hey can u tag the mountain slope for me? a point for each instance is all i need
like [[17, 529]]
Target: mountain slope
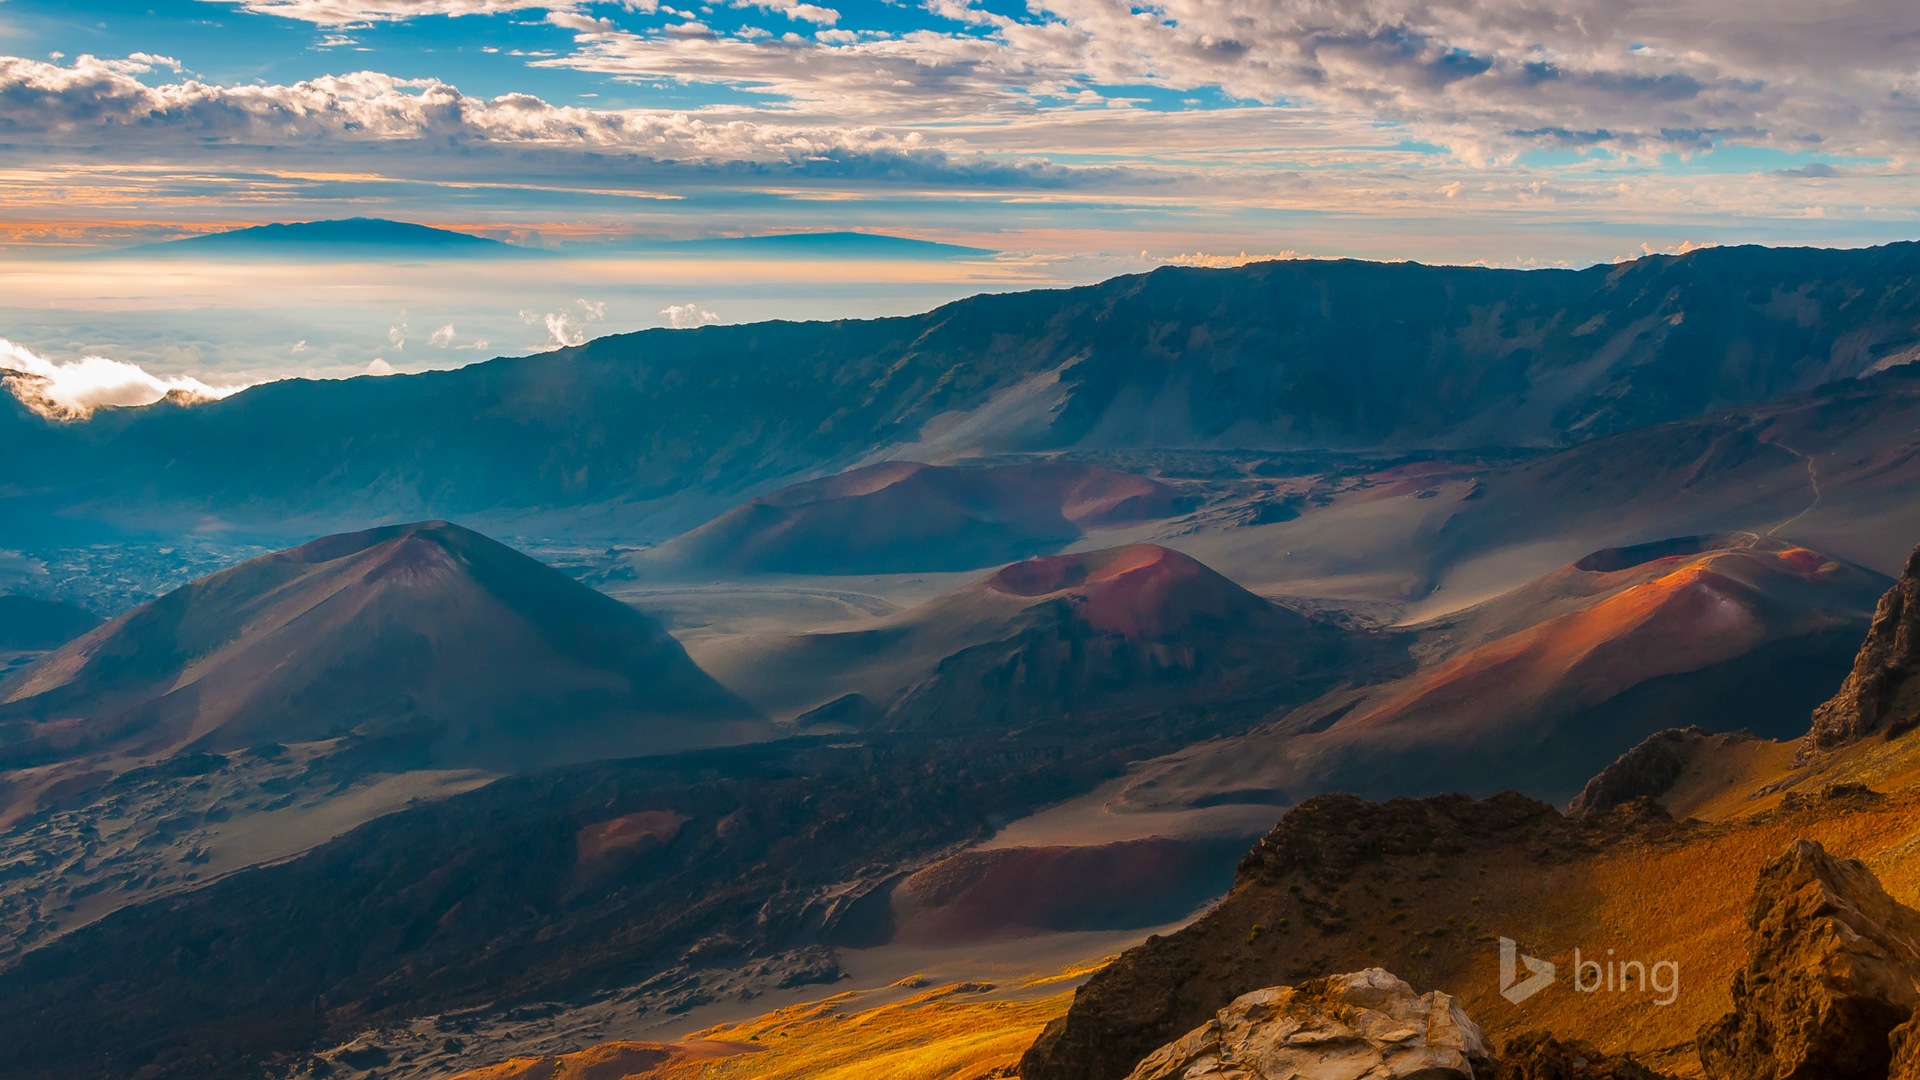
[[1283, 355], [1432, 886], [902, 516], [509, 894], [1538, 689], [430, 642], [1064, 639]]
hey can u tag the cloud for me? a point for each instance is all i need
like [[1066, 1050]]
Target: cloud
[[349, 12], [1486, 78], [1815, 171], [1213, 261], [442, 337], [103, 106], [795, 10], [566, 330], [687, 316], [73, 389]]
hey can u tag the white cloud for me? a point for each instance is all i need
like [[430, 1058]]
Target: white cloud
[[687, 316], [348, 12], [442, 337], [565, 330], [103, 105], [73, 389], [1484, 77], [797, 10]]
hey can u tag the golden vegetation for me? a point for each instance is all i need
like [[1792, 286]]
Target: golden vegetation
[[960, 1032], [966, 1031]]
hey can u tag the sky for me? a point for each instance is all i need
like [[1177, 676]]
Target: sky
[[1076, 139], [1517, 132]]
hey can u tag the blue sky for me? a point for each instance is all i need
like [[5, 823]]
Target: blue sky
[[1503, 131]]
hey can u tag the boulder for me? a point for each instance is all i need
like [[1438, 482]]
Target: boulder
[[1882, 694], [1344, 1027], [1833, 968]]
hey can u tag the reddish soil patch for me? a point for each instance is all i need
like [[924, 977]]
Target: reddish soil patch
[[648, 828]]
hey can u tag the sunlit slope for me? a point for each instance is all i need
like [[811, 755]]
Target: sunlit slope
[[1426, 889], [968, 1031], [1538, 689]]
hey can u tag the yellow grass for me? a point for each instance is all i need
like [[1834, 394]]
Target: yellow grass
[[951, 1033], [966, 1031]]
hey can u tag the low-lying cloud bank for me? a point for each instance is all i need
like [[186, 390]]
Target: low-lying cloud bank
[[74, 389]]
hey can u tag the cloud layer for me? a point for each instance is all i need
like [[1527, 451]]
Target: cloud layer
[[1170, 123], [74, 389]]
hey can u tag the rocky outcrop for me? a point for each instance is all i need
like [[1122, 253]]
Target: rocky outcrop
[[1905, 1044], [1882, 695], [1368, 1023], [1647, 771], [1536, 1055], [1833, 969], [1308, 901]]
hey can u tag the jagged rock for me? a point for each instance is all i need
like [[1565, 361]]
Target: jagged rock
[[1366, 1024], [1905, 1044], [1830, 797], [1536, 1055], [1882, 694], [1647, 771], [1833, 968]]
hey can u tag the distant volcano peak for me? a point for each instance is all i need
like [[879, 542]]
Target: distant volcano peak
[[358, 236]]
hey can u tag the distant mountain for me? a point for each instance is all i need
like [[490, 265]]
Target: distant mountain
[[1284, 355], [421, 644], [902, 516], [822, 245], [345, 237]]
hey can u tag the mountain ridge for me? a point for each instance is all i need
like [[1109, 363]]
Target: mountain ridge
[[1276, 355]]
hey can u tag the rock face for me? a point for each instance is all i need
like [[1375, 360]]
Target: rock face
[[1647, 771], [1365, 1024], [1535, 1055], [1833, 969], [1882, 695], [1906, 1051]]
